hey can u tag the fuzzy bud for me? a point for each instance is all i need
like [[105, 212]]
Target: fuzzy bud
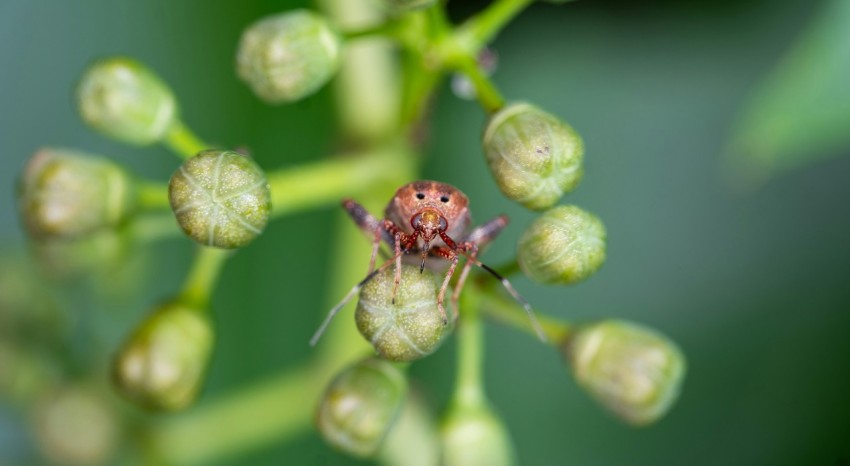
[[534, 157], [64, 193], [162, 364], [288, 56], [631, 370], [410, 328], [360, 406], [220, 199], [562, 246], [474, 436], [124, 100]]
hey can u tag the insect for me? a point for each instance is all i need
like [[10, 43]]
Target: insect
[[427, 222]]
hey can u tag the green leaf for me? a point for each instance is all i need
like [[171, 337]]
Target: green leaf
[[801, 112]]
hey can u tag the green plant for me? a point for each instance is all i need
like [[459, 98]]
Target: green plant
[[203, 191]]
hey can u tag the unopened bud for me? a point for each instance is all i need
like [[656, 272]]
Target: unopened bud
[[288, 56], [563, 245], [162, 364], [64, 193], [631, 370], [407, 329], [124, 100], [534, 157], [220, 198], [474, 436], [360, 406]]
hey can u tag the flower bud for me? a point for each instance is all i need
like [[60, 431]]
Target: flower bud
[[474, 436], [360, 405], [562, 246], [408, 329], [220, 198], [124, 100], [534, 157], [288, 56], [162, 364], [409, 5], [633, 371], [76, 426], [64, 193]]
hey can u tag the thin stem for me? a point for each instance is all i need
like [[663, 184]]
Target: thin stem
[[483, 27], [183, 142], [509, 312], [387, 30], [203, 275], [329, 181], [485, 91], [468, 379], [153, 227], [152, 195]]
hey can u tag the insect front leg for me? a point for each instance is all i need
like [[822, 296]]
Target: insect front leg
[[452, 256], [370, 225], [402, 242], [472, 249]]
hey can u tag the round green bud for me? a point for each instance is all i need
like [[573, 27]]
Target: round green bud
[[360, 406], [409, 5], [64, 193], [162, 364], [124, 100], [564, 245], [474, 436], [631, 370], [410, 328], [76, 426], [220, 198], [288, 56], [534, 157]]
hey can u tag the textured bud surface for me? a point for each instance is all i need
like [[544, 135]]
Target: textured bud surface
[[360, 405], [534, 157], [64, 193], [288, 56], [220, 198], [409, 329], [564, 245], [633, 371], [124, 100], [474, 436], [162, 364]]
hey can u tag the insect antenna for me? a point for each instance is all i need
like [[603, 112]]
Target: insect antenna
[[513, 292], [354, 290]]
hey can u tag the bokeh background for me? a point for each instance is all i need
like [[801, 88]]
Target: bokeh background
[[746, 267]]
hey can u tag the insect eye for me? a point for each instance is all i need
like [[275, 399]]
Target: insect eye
[[420, 196], [444, 199]]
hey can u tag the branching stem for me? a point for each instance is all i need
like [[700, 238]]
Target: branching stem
[[183, 142], [203, 275]]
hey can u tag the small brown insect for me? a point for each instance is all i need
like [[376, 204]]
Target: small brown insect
[[429, 219]]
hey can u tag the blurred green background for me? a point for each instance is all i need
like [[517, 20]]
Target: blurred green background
[[752, 279]]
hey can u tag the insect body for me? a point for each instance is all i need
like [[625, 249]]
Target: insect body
[[427, 221]]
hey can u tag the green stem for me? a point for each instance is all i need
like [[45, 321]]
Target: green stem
[[203, 275], [483, 27], [275, 409], [387, 30], [511, 313], [152, 227], [485, 91], [468, 379], [183, 142], [152, 195], [329, 181]]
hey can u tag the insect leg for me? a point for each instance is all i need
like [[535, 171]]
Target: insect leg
[[353, 291], [453, 257], [370, 225], [467, 266], [486, 232]]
